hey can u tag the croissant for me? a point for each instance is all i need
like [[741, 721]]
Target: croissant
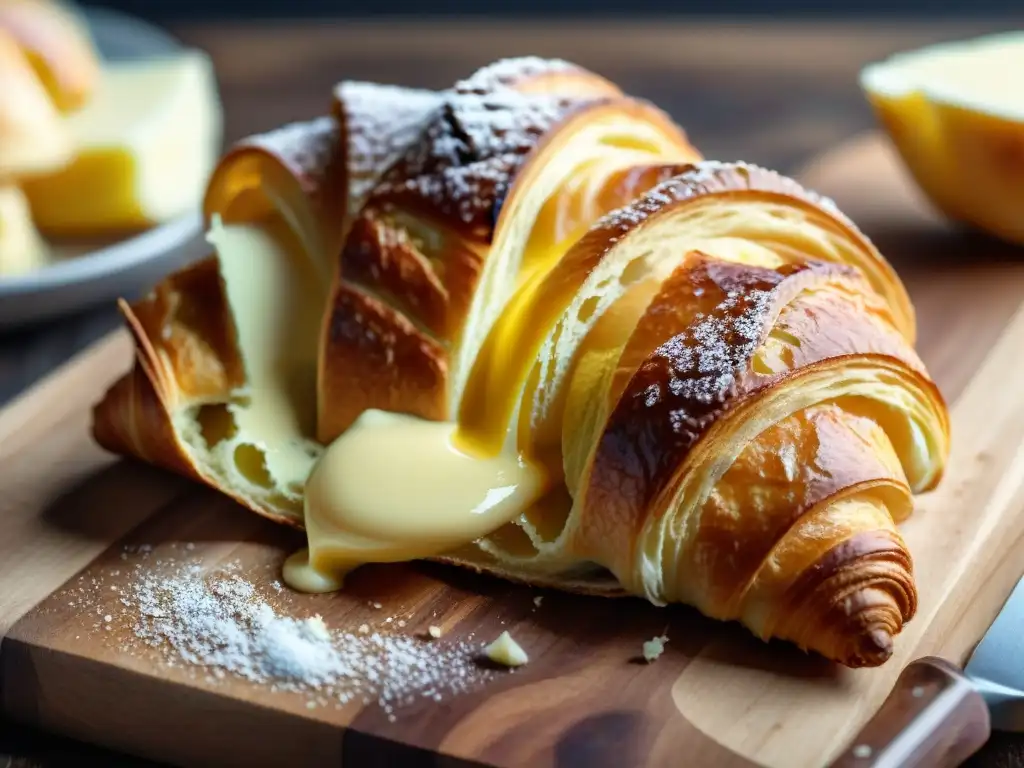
[[712, 365]]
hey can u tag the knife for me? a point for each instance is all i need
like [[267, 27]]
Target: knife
[[938, 715]]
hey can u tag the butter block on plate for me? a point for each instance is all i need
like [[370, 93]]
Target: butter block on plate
[[21, 247], [145, 145]]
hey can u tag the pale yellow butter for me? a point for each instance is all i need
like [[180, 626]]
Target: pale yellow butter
[[145, 145]]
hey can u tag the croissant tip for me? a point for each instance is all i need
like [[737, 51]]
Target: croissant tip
[[873, 649]]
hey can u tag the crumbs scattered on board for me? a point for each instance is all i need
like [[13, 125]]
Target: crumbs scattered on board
[[214, 623], [653, 648]]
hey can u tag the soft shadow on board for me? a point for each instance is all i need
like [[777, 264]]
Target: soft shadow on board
[[595, 621], [162, 507], [583, 619], [119, 495]]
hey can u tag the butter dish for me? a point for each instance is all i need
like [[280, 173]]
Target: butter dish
[[120, 231]]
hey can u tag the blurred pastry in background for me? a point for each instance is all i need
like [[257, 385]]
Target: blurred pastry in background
[[955, 113], [91, 148], [57, 43], [33, 139], [33, 136]]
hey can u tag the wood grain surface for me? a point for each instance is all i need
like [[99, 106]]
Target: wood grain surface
[[776, 96]]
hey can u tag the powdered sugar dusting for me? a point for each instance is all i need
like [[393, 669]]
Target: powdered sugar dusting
[[506, 72], [702, 361], [307, 148], [218, 624], [691, 379], [382, 122], [708, 177], [471, 151]]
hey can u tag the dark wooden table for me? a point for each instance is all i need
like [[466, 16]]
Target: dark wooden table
[[775, 94]]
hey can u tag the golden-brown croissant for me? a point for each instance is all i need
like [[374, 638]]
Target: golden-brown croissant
[[713, 365]]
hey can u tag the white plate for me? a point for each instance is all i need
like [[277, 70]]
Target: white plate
[[121, 268]]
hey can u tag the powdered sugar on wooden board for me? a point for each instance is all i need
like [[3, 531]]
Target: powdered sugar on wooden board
[[216, 624]]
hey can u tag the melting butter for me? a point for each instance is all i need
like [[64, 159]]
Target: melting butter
[[272, 290], [394, 488], [299, 574]]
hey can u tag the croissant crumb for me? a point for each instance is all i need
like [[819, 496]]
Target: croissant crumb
[[653, 648], [506, 651]]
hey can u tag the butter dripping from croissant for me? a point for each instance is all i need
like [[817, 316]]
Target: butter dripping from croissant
[[395, 488], [459, 481]]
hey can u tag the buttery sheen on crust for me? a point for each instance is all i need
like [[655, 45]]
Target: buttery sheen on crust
[[714, 361]]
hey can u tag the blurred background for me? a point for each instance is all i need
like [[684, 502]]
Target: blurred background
[[208, 9]]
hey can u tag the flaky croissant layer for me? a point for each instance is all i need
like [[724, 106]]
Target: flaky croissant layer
[[713, 365]]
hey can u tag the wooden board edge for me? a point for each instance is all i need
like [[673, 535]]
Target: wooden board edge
[[115, 696]]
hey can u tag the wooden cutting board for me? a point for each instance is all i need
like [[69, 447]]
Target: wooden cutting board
[[716, 696]]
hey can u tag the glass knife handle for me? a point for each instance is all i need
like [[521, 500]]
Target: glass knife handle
[[934, 717]]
